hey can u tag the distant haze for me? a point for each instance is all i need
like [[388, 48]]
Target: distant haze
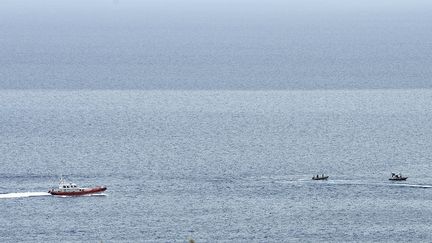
[[215, 44]]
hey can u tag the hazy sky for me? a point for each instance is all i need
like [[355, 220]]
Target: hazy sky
[[215, 44]]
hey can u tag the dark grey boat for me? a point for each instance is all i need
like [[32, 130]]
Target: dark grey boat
[[317, 177], [397, 177]]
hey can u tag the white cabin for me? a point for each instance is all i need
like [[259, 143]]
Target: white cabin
[[68, 187]]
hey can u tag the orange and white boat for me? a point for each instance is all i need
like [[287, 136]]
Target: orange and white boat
[[71, 189]]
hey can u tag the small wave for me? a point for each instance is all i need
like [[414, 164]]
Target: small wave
[[23, 194]]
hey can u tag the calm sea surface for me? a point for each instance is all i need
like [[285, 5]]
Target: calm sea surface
[[215, 44], [216, 165]]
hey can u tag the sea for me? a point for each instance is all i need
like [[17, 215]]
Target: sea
[[217, 165], [207, 119]]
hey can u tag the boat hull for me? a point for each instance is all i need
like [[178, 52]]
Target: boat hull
[[398, 179], [83, 191], [320, 178]]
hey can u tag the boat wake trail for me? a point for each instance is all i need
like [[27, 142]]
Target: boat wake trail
[[411, 185], [86, 195], [395, 184], [95, 195], [23, 194]]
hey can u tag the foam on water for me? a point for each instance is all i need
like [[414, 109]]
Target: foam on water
[[39, 194], [87, 195], [411, 185], [357, 182], [23, 194]]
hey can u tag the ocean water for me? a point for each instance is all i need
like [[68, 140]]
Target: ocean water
[[215, 44], [216, 165]]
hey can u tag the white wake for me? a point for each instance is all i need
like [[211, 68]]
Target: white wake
[[23, 194], [412, 185]]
